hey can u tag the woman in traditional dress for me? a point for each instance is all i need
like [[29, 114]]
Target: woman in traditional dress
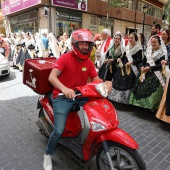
[[163, 112], [143, 41], [39, 46], [27, 51], [165, 35], [62, 46], [115, 52], [148, 90], [19, 48], [127, 72], [53, 45]]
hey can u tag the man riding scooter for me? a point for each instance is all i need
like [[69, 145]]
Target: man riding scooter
[[70, 70]]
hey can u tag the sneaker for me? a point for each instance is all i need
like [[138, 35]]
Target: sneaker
[[47, 164]]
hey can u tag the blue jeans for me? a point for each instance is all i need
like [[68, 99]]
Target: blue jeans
[[61, 109]]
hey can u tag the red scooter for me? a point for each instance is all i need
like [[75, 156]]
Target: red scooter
[[98, 134]]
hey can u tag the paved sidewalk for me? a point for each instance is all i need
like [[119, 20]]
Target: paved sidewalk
[[22, 146]]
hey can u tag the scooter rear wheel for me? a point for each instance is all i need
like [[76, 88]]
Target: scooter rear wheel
[[122, 157]]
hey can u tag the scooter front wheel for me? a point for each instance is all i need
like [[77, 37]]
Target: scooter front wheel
[[123, 158]]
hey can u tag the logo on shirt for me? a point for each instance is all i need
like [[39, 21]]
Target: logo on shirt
[[84, 69]]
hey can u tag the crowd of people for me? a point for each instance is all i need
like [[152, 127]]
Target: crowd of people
[[138, 69], [18, 47]]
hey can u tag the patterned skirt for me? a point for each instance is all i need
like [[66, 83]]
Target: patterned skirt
[[147, 94], [122, 86]]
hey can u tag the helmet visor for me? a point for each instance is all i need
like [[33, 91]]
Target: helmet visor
[[82, 36]]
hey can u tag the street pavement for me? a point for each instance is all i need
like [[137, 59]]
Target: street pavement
[[22, 145]]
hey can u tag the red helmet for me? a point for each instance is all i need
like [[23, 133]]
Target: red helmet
[[82, 35]]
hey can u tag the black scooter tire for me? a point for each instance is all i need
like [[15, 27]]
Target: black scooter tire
[[127, 156]]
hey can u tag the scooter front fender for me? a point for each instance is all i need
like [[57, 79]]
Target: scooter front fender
[[119, 136]]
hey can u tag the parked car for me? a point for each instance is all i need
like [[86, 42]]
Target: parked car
[[4, 66]]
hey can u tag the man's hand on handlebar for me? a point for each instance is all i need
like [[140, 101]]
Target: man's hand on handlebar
[[69, 93]]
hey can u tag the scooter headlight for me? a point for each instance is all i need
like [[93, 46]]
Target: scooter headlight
[[97, 126], [102, 89]]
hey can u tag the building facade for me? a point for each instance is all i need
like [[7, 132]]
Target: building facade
[[59, 16]]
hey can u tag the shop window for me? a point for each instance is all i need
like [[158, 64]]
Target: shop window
[[93, 20], [26, 27], [130, 30], [67, 21], [67, 27]]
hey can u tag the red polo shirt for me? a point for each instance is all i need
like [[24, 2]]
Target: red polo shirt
[[74, 72]]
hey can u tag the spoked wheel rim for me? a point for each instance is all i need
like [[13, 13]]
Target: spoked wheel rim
[[122, 160]]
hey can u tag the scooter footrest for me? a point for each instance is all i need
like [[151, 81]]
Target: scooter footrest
[[44, 126], [74, 145]]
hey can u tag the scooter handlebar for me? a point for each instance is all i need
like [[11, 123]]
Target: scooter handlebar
[[76, 92], [60, 94]]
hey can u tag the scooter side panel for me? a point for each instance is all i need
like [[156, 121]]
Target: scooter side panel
[[47, 107], [103, 112], [73, 123]]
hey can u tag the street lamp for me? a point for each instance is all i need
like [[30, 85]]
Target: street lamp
[[145, 10]]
